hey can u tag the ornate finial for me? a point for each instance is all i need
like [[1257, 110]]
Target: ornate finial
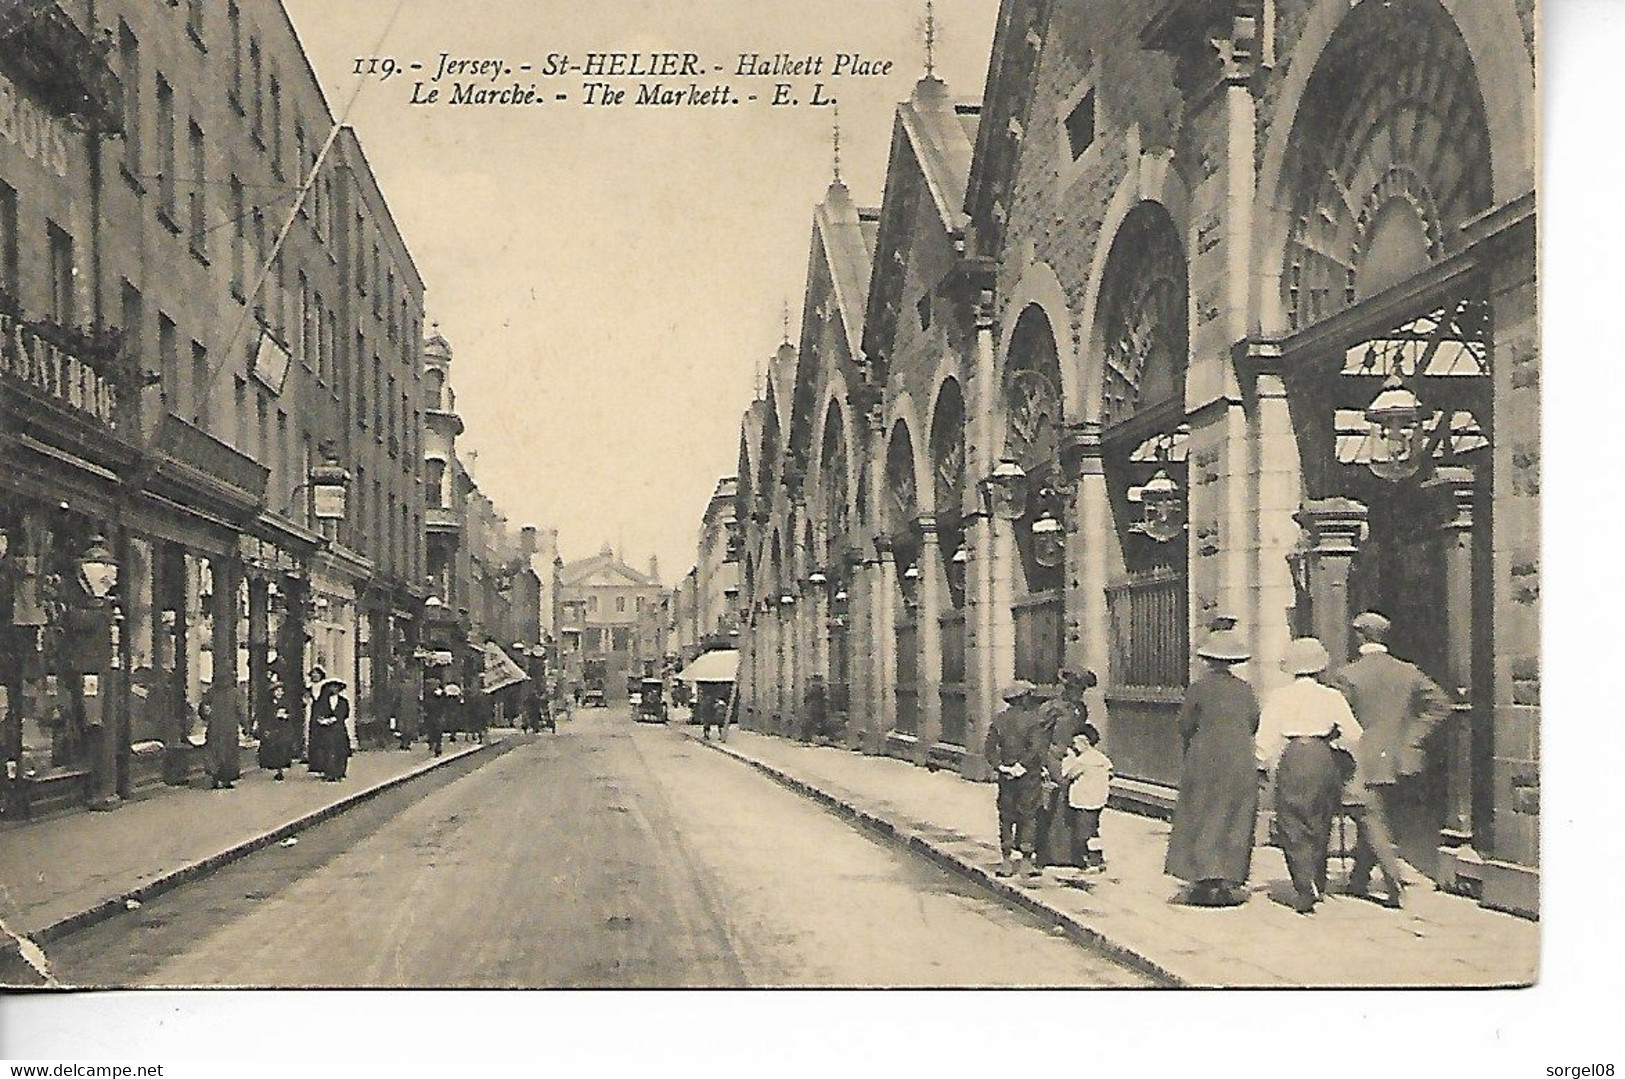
[[786, 318], [930, 39], [837, 142]]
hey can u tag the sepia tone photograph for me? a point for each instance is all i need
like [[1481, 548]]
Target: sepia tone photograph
[[694, 494]]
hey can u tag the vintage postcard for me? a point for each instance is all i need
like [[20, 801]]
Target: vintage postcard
[[725, 493]]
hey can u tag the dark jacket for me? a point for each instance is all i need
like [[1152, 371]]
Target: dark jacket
[[1017, 735], [1397, 706], [1212, 836]]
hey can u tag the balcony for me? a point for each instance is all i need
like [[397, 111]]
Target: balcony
[[57, 64], [82, 371], [442, 519]]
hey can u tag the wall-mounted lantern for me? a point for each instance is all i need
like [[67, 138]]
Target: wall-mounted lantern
[[1395, 417], [1007, 489], [98, 570], [1162, 508], [1049, 539]]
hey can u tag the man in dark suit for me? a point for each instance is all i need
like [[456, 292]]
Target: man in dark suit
[[1397, 706], [1017, 742]]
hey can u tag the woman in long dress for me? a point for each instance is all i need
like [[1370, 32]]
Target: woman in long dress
[[330, 754], [1212, 842], [276, 743]]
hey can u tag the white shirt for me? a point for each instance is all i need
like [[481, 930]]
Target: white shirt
[[1091, 774], [1305, 708]]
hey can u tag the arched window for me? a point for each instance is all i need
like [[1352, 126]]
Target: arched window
[[1145, 333], [1032, 439]]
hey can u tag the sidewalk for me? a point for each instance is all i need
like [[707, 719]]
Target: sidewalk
[[72, 870], [1437, 940]]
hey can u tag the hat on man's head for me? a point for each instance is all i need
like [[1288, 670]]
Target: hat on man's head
[[1372, 624], [1018, 689], [1225, 646], [1305, 655], [1082, 675]]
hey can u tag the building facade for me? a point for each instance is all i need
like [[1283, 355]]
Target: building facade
[[1206, 311], [613, 621], [216, 385]]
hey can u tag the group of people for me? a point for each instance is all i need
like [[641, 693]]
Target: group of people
[[1053, 779], [327, 741], [1326, 747]]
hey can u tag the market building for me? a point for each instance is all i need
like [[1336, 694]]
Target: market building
[[1208, 311]]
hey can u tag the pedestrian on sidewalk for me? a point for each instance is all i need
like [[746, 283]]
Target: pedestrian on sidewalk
[[330, 737], [1300, 727], [1015, 749], [1211, 845], [1398, 707], [276, 743], [434, 718], [314, 681], [1055, 839], [221, 745], [1087, 775]]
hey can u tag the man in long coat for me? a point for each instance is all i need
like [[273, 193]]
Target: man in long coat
[[1398, 707], [1016, 747], [1211, 845]]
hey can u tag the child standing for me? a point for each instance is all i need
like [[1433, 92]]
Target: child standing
[[1088, 774]]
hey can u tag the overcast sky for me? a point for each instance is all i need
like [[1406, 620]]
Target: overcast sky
[[610, 279]]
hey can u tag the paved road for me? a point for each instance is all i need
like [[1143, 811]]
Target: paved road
[[610, 854]]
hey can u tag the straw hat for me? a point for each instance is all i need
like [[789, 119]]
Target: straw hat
[[1225, 646], [1372, 624], [1305, 655], [1017, 690]]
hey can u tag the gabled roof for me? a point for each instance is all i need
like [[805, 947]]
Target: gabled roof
[[930, 159], [580, 570]]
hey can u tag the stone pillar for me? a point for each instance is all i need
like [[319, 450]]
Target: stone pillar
[[259, 633], [1278, 485], [222, 732], [928, 636], [1335, 528], [885, 611], [867, 655], [1001, 638], [980, 691], [1455, 485], [1089, 538]]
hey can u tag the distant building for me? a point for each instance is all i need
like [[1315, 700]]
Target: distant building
[[607, 618]]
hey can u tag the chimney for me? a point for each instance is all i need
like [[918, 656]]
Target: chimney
[[654, 568], [527, 541]]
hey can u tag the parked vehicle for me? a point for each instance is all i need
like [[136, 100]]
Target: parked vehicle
[[651, 706]]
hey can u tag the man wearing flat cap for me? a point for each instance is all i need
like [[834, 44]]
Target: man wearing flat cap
[[1016, 746], [1398, 707]]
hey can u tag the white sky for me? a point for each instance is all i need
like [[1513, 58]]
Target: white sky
[[610, 278]]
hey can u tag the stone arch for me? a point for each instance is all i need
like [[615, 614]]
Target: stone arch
[[834, 480], [1502, 74], [904, 413], [1152, 178], [1040, 288], [901, 504]]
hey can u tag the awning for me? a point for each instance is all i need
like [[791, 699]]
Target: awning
[[718, 666], [500, 671]]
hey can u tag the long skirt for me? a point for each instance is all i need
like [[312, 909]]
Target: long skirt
[[276, 745], [1308, 789], [1057, 842]]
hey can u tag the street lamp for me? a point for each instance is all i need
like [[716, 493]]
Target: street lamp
[[1049, 540], [1007, 487], [1395, 417], [98, 570], [1162, 508], [5, 542], [817, 577]]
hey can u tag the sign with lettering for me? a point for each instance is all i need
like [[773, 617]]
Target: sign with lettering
[[270, 361], [40, 136]]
